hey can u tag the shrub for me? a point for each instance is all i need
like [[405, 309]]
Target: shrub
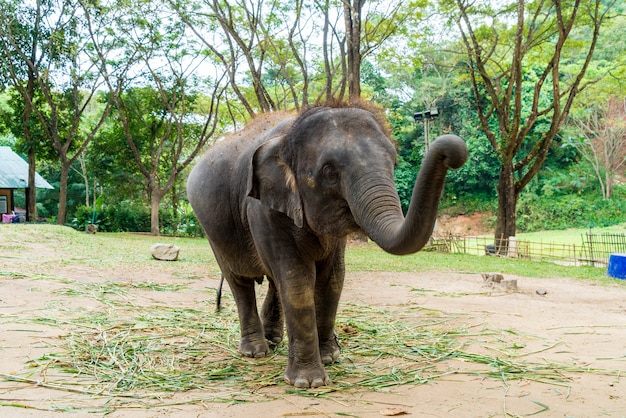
[[119, 217], [586, 210], [83, 215], [127, 216], [181, 222]]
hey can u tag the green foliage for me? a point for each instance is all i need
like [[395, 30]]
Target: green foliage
[[122, 216], [180, 222], [405, 180], [126, 216], [570, 210], [84, 215], [480, 173], [7, 140], [454, 205], [12, 118], [130, 216]]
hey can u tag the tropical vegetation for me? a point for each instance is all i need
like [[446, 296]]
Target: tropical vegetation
[[113, 100]]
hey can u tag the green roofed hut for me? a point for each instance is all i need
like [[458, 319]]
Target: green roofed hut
[[14, 175]]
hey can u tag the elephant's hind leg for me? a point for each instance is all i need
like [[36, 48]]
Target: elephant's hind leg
[[329, 283], [272, 314], [252, 343]]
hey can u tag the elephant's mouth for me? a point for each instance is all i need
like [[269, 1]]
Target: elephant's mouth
[[335, 221]]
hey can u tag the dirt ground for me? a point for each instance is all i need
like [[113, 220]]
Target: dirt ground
[[474, 224], [577, 324]]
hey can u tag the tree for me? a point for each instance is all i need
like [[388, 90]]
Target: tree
[[259, 44], [366, 33], [157, 116], [352, 15], [53, 55], [28, 33], [277, 42], [602, 141], [526, 68]]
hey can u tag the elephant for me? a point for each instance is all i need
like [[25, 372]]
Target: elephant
[[277, 201]]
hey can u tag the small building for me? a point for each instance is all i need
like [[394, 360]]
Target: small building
[[14, 175]]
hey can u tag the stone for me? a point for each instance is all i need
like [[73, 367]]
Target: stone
[[509, 285], [490, 278], [166, 252], [496, 281]]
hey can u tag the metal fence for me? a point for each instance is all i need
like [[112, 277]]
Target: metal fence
[[598, 247], [594, 249]]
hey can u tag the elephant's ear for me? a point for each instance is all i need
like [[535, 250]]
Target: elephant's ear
[[272, 181]]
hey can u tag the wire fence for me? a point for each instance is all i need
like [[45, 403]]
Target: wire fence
[[594, 249]]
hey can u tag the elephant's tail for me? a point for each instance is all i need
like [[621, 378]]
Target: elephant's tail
[[259, 280], [219, 294]]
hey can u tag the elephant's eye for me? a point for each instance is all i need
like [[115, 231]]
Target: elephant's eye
[[330, 173]]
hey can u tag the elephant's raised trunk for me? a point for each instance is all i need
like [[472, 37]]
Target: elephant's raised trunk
[[378, 209]]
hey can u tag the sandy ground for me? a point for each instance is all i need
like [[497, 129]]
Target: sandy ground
[[577, 324]]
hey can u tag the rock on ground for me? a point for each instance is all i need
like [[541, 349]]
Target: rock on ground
[[166, 252]]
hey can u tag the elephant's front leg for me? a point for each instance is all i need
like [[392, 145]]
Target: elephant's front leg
[[297, 293], [294, 276], [328, 287]]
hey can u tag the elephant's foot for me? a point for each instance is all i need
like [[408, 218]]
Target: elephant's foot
[[254, 346], [306, 376], [272, 316], [330, 351], [274, 332]]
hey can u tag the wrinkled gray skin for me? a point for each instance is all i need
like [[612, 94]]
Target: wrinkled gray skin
[[278, 199]]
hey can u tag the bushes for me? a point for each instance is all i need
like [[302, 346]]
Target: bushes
[[181, 222], [587, 210], [119, 217], [128, 216]]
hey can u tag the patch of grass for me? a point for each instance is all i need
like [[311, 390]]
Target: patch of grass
[[106, 251], [89, 289], [371, 258], [568, 236]]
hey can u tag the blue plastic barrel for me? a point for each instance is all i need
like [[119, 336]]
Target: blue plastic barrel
[[617, 266]]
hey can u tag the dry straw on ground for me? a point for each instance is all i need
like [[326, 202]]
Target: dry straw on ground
[[138, 353]]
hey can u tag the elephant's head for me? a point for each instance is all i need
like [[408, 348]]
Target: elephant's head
[[332, 170]]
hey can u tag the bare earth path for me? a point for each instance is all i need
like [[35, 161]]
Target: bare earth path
[[577, 328]]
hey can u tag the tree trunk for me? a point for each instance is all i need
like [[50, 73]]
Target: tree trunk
[[608, 184], [328, 87], [155, 201], [61, 213], [507, 202], [154, 216], [31, 190], [175, 200], [83, 170], [352, 15], [28, 139]]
